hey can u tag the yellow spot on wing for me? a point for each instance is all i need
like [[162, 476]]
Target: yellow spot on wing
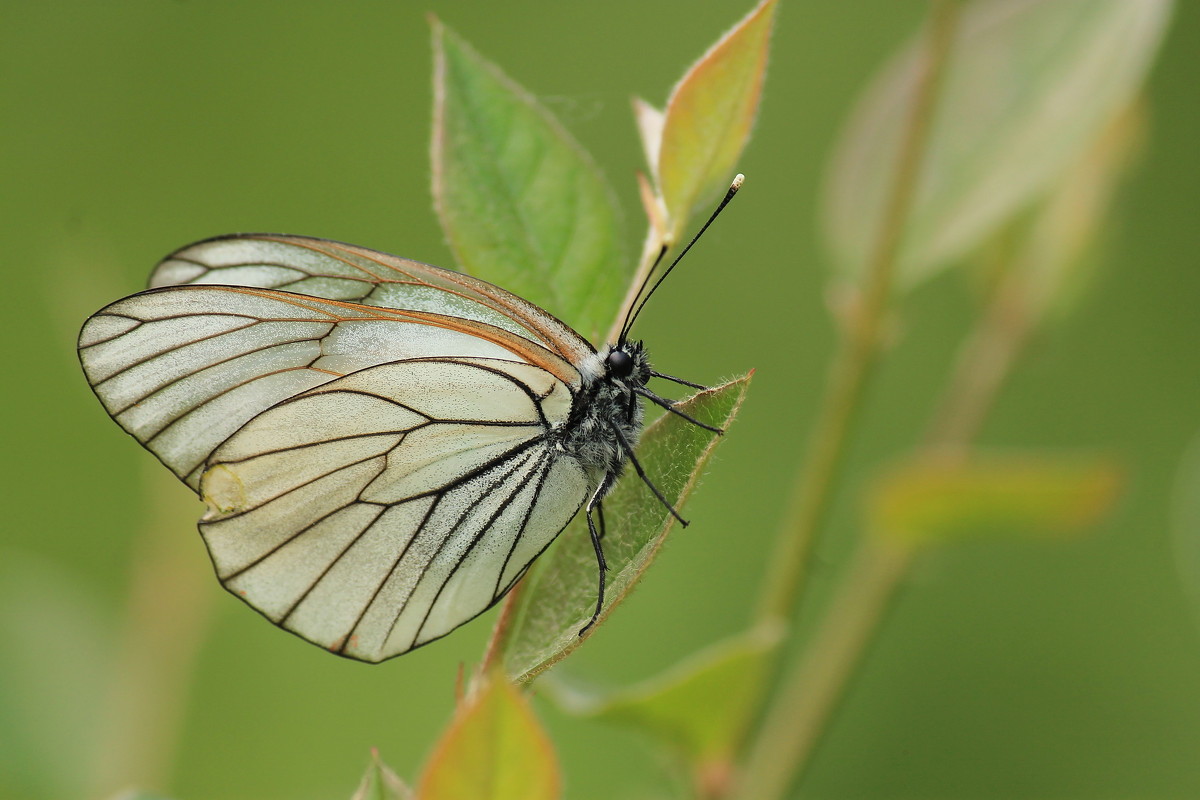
[[223, 491]]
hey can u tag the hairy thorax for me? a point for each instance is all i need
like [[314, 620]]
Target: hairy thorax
[[607, 415]]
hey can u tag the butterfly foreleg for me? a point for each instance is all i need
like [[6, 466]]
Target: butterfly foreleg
[[669, 405], [680, 381]]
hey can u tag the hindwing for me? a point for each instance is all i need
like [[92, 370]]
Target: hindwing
[[382, 510]]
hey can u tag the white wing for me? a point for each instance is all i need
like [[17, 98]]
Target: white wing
[[182, 368], [378, 472], [384, 509], [339, 271]]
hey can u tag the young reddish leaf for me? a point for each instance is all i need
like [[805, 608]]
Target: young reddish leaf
[[709, 117], [700, 706], [495, 749], [522, 204], [379, 782], [1028, 84], [932, 499], [561, 592], [650, 127]]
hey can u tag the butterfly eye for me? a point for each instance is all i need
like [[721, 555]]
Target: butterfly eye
[[620, 364]]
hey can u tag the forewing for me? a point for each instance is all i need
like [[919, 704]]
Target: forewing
[[384, 509], [182, 368], [338, 271]]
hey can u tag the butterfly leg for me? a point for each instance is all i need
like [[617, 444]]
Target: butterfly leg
[[637, 467], [594, 505]]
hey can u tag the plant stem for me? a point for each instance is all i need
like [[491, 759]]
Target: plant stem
[[862, 339], [811, 692], [165, 623], [983, 363], [500, 631], [799, 710]]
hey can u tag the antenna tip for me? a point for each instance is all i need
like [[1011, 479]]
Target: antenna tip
[[738, 180]]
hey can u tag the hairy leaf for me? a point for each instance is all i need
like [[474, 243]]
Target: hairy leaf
[[700, 706], [522, 204], [561, 593]]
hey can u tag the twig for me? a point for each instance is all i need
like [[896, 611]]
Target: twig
[[861, 342]]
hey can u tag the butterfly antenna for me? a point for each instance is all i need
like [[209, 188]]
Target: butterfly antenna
[[662, 253], [631, 317]]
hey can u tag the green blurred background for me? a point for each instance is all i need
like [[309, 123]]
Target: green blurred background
[[1009, 668]]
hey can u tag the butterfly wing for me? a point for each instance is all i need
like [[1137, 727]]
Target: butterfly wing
[[182, 368], [338, 271], [377, 472], [382, 510]]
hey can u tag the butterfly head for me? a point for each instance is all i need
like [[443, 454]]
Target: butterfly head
[[626, 363]]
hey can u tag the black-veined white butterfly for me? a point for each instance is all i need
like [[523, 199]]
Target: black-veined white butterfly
[[384, 446]]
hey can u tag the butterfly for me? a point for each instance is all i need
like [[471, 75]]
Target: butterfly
[[384, 446]]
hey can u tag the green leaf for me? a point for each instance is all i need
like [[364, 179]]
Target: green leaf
[[379, 782], [1065, 226], [495, 749], [700, 706], [709, 116], [1185, 519], [934, 499], [1027, 86], [560, 595], [522, 204]]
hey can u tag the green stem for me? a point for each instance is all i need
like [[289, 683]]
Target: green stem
[[166, 621], [984, 362], [810, 693], [798, 711], [862, 339], [500, 631]]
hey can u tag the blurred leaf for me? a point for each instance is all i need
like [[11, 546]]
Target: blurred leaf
[[1068, 222], [495, 749], [520, 201], [709, 116], [933, 499], [701, 705], [1028, 85], [53, 667], [138, 794], [650, 127], [561, 593], [379, 782], [1185, 507]]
